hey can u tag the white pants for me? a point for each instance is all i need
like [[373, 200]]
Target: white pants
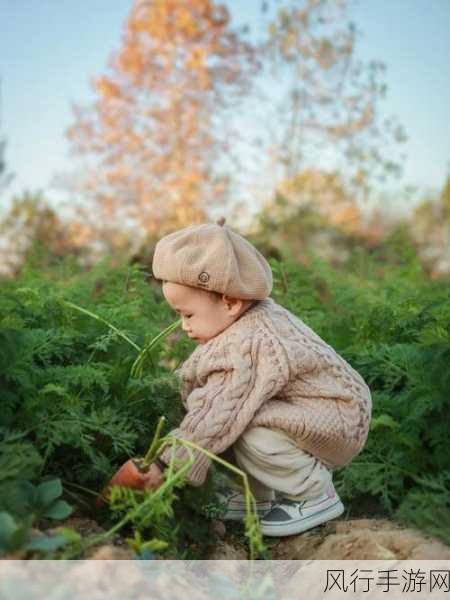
[[276, 466]]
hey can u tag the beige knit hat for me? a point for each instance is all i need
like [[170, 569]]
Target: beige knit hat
[[212, 257]]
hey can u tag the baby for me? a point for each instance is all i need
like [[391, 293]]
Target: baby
[[261, 387]]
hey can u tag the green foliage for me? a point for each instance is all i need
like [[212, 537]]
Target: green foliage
[[65, 377], [165, 522], [162, 519], [16, 536], [23, 505], [22, 498], [78, 398], [70, 407]]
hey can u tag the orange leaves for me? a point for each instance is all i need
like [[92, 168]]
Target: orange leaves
[[156, 148], [348, 218], [325, 193], [185, 22], [196, 59], [166, 20], [107, 88], [78, 234], [130, 59], [121, 172]]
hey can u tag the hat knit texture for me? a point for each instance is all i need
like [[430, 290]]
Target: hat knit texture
[[213, 257]]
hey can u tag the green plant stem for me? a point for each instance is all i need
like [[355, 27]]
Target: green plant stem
[[110, 325], [251, 520], [80, 487], [136, 368], [252, 524], [149, 457], [284, 279]]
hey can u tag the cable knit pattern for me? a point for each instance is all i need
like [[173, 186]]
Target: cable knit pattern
[[269, 368]]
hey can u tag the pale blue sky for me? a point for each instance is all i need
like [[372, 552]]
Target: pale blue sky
[[49, 50]]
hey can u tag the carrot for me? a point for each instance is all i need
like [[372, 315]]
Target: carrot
[[132, 473]]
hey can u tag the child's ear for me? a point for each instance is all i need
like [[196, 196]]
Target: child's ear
[[233, 303]]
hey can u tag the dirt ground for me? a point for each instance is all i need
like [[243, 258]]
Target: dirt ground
[[339, 539], [353, 539]]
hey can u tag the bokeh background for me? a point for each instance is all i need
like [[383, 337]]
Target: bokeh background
[[121, 122]]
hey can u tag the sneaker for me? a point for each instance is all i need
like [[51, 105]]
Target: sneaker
[[288, 517], [235, 503]]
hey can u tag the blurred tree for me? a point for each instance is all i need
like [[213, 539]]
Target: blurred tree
[[31, 226], [5, 177], [445, 199], [284, 230], [431, 227], [329, 101], [326, 192], [314, 210], [152, 135]]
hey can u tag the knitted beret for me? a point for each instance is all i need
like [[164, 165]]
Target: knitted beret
[[215, 258]]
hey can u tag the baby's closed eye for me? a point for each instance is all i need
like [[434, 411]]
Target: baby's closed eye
[[179, 313]]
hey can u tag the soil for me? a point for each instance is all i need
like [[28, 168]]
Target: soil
[[339, 539]]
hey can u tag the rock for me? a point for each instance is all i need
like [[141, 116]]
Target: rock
[[218, 528]]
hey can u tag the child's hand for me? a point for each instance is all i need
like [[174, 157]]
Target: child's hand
[[153, 479]]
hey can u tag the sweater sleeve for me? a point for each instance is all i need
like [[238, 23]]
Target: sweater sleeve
[[223, 407]]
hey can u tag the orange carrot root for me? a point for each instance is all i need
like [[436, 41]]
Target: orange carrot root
[[131, 474]]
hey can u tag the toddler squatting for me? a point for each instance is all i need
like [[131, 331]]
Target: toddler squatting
[[261, 388]]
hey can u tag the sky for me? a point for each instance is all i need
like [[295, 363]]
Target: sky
[[51, 49]]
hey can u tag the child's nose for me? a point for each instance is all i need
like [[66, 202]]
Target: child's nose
[[184, 326]]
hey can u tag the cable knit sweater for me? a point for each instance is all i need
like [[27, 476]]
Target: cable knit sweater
[[270, 369]]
